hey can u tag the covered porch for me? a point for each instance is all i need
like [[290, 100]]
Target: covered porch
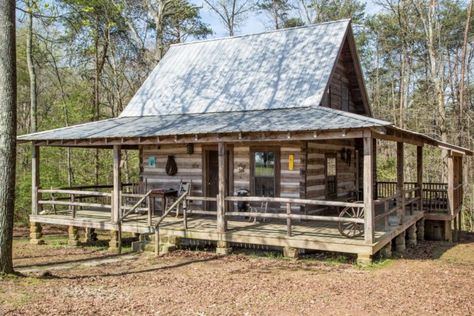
[[363, 222]]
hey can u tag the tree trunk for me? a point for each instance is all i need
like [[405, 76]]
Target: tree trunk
[[7, 131], [31, 68]]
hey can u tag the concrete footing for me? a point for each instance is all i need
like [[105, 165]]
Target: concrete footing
[[400, 245], [364, 259], [291, 252], [223, 248], [36, 234], [411, 236], [114, 242], [168, 244], [73, 236]]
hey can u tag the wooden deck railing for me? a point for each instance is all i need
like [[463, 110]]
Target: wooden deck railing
[[434, 196], [289, 215]]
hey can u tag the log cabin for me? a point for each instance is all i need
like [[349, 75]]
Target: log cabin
[[263, 139]]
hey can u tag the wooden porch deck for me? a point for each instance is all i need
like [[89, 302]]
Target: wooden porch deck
[[316, 235]]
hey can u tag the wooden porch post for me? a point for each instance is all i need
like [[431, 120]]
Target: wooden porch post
[[221, 224], [374, 167], [35, 228], [117, 182], [35, 179], [222, 245], [451, 183], [115, 241], [419, 175], [368, 187], [401, 180]]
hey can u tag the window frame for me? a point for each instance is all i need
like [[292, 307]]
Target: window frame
[[276, 175]]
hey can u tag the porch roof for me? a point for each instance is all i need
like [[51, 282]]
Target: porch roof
[[280, 120]]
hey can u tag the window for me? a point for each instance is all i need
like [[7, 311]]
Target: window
[[264, 171], [331, 176]]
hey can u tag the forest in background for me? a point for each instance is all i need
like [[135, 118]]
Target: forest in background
[[82, 60]]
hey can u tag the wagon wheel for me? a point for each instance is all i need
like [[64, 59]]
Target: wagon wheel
[[349, 229]]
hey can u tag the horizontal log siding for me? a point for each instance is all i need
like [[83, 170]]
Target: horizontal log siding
[[189, 168], [315, 173]]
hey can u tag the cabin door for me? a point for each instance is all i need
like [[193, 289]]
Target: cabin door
[[212, 178], [211, 175]]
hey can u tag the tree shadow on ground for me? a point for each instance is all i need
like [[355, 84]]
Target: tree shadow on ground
[[133, 272]]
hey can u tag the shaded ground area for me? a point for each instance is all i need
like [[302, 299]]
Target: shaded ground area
[[434, 278]]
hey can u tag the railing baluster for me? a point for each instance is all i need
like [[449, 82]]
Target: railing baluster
[[149, 211], [185, 217], [73, 207]]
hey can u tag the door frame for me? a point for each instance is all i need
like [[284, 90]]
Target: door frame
[[229, 167]]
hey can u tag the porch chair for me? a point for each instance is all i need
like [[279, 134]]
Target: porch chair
[[263, 208]]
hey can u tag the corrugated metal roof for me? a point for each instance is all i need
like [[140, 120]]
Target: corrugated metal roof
[[282, 120], [280, 69]]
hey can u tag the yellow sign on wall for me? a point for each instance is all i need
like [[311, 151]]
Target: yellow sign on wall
[[291, 162]]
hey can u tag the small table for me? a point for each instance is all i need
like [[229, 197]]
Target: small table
[[164, 194]]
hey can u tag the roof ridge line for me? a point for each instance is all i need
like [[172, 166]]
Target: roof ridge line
[[259, 33]]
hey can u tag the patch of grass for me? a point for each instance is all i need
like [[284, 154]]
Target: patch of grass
[[376, 265], [255, 253]]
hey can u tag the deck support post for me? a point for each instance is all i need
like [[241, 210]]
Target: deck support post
[[90, 236], [223, 248], [400, 181], [114, 242], [364, 259], [386, 251], [459, 225], [419, 176], [291, 252], [448, 231], [420, 230], [36, 234], [73, 236], [411, 236], [400, 245], [369, 218]]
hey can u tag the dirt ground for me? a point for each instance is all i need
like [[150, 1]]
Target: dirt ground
[[434, 278]]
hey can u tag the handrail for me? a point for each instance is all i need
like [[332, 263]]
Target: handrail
[[134, 207], [60, 191], [98, 186], [292, 201], [175, 204], [165, 214]]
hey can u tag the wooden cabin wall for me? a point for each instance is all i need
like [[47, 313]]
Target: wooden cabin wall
[[316, 173], [189, 167], [306, 180], [343, 92], [291, 181]]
